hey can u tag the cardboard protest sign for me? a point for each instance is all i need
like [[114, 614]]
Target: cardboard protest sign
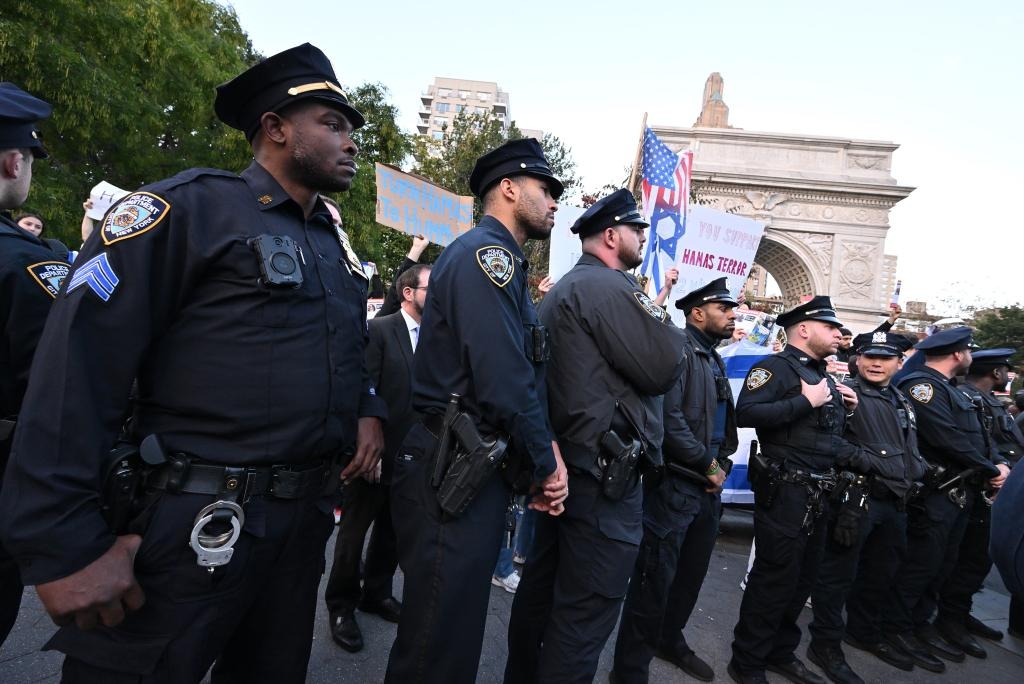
[[415, 206]]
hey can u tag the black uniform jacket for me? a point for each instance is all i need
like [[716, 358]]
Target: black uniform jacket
[[30, 277], [477, 340], [168, 292], [690, 407], [949, 425], [885, 426], [611, 347], [1006, 434], [788, 427], [389, 357]]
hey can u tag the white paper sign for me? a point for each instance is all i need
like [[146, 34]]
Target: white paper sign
[[566, 248], [103, 195]]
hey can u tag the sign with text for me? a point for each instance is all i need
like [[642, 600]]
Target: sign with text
[[716, 244], [103, 195], [415, 206]]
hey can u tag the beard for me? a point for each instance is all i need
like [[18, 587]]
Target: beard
[[533, 219], [309, 166], [629, 257]]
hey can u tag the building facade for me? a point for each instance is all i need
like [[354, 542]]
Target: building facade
[[448, 97]]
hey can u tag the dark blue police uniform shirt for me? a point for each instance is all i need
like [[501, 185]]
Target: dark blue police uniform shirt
[[476, 330], [167, 291]]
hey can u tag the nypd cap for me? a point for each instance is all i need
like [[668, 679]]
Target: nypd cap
[[297, 74], [881, 344], [818, 309], [616, 209], [19, 113], [715, 291], [522, 157], [985, 359], [947, 342]]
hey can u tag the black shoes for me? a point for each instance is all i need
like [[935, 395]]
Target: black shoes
[[831, 659], [739, 678], [795, 671], [687, 661], [389, 609], [933, 641], [884, 652], [345, 632], [908, 644], [956, 635], [979, 628]]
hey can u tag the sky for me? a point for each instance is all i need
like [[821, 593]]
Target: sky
[[942, 79]]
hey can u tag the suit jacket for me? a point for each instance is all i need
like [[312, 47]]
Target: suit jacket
[[389, 361]]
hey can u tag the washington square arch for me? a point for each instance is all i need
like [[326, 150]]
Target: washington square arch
[[824, 202]]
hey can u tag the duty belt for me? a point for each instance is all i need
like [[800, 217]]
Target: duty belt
[[279, 481], [803, 477], [878, 490]]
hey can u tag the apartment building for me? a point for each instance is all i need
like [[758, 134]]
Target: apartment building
[[447, 97]]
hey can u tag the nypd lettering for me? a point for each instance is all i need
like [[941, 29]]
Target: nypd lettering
[[136, 214], [922, 392], [497, 264], [650, 307], [758, 377], [50, 275], [97, 275]]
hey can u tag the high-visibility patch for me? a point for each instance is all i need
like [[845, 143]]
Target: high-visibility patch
[[649, 306], [922, 392], [97, 275], [136, 214], [758, 377], [49, 275], [497, 264]]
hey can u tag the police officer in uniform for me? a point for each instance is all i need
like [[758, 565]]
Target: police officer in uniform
[[954, 443], [479, 338], [799, 413], [239, 312], [681, 514], [613, 353], [31, 274], [868, 522], [989, 370]]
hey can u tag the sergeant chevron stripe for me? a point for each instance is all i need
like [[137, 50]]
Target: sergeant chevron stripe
[[98, 275]]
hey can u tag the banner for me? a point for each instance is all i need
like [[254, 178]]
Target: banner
[[739, 358], [415, 206]]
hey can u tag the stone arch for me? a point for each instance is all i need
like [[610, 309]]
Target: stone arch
[[792, 266]]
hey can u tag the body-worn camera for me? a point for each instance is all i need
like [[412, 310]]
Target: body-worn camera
[[279, 261]]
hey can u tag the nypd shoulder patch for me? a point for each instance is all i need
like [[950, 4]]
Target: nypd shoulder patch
[[649, 306], [497, 264], [758, 377], [922, 392], [97, 275], [136, 214], [49, 275]]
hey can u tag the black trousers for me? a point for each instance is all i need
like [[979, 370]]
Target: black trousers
[[10, 577], [573, 584], [973, 564], [680, 529], [365, 503], [784, 571], [254, 616], [935, 527], [447, 564], [859, 576]]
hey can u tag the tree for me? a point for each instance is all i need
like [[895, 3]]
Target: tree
[[132, 87], [1001, 327]]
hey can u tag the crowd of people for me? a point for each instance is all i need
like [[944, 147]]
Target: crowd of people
[[207, 385]]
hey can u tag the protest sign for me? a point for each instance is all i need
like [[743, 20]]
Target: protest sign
[[566, 247], [415, 206], [103, 195]]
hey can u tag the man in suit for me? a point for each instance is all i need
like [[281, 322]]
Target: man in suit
[[389, 353]]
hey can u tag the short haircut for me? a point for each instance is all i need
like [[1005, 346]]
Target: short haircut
[[490, 195], [845, 331], [329, 200], [410, 278]]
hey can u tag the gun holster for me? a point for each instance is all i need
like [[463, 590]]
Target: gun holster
[[617, 461], [123, 480], [474, 461], [764, 474]]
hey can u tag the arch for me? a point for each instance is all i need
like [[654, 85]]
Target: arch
[[788, 262]]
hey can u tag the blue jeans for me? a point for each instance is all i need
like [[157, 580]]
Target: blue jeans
[[525, 522]]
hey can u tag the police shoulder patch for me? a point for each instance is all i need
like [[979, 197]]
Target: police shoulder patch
[[922, 392], [49, 275], [650, 307], [758, 377], [136, 214], [497, 264]]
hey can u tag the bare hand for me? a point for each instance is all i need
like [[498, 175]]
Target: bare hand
[[373, 475], [819, 394], [101, 592], [717, 480], [850, 398], [671, 278], [87, 204], [369, 446], [554, 490], [419, 243], [998, 481], [895, 311], [545, 285]]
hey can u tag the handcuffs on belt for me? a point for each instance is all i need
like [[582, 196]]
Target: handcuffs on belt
[[215, 550]]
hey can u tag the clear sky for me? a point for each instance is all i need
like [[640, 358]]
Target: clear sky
[[942, 79]]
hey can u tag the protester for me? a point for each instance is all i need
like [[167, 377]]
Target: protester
[[393, 298]]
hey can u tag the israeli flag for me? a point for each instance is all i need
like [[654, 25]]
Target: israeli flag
[[739, 358]]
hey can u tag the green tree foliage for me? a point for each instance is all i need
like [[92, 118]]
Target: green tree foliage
[[1002, 327], [132, 85]]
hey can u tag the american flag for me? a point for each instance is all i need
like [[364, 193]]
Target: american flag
[[666, 193]]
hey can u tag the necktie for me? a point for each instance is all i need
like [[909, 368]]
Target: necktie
[[415, 336]]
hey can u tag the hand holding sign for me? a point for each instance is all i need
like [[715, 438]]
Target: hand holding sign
[[102, 196]]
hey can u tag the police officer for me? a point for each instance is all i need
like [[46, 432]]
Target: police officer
[[954, 443], [799, 413], [868, 517], [681, 514], [31, 274], [480, 338], [989, 370], [239, 312], [613, 352]]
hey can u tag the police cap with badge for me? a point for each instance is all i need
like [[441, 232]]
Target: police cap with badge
[[818, 309], [715, 291], [946, 342], [617, 209], [522, 157], [297, 74], [881, 344], [985, 360], [19, 113]]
